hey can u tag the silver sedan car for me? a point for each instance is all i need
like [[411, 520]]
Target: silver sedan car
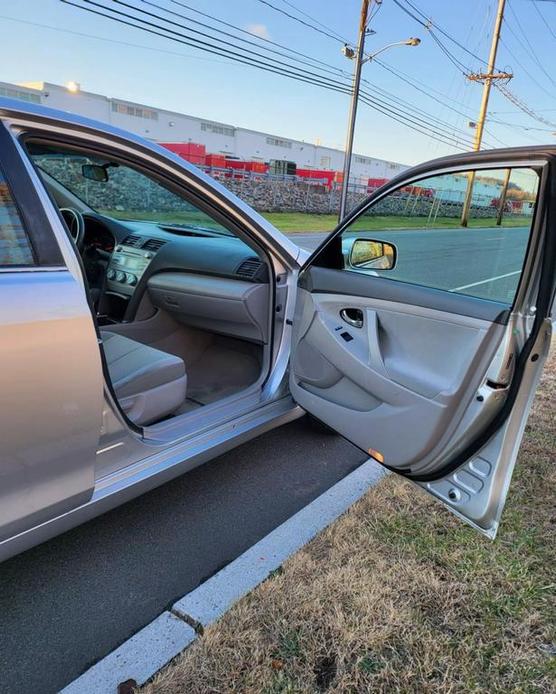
[[150, 320]]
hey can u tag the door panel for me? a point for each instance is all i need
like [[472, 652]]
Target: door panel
[[325, 280], [51, 384], [430, 364], [404, 372], [51, 375]]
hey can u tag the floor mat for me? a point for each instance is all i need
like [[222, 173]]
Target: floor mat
[[188, 406], [221, 371]]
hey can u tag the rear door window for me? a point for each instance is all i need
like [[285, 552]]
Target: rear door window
[[15, 247]]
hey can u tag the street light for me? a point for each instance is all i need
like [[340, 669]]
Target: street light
[[413, 41], [361, 58]]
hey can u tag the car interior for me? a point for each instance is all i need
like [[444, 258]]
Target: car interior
[[182, 303]]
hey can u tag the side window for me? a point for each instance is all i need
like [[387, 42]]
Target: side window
[[15, 248], [420, 227]]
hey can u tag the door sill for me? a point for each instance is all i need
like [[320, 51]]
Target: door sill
[[203, 418], [169, 462]]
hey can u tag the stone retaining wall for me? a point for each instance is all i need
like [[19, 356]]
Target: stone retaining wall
[[265, 194]]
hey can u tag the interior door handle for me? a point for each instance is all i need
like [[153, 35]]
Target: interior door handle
[[352, 316], [376, 361]]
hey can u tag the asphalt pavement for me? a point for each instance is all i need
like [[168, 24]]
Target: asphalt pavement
[[309, 240], [70, 601], [483, 262]]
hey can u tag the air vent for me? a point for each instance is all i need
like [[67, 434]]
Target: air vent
[[131, 240], [153, 245], [249, 268]]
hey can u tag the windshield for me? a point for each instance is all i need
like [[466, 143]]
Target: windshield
[[125, 193]]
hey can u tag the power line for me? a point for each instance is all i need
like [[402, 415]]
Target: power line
[[301, 21], [373, 14], [294, 71], [457, 92], [530, 49], [539, 110], [528, 135], [260, 38], [525, 70], [463, 137], [311, 78], [195, 43], [428, 24], [416, 119], [437, 137], [520, 126], [182, 16], [415, 84], [442, 125], [114, 41], [494, 137], [326, 67], [541, 15], [523, 106], [309, 16], [502, 88], [184, 55], [429, 116]]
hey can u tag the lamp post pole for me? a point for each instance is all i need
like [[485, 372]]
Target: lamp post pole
[[358, 54], [353, 106]]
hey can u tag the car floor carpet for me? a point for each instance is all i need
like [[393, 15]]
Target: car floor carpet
[[221, 370]]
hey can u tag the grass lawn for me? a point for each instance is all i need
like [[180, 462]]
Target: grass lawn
[[399, 596], [292, 222], [297, 222]]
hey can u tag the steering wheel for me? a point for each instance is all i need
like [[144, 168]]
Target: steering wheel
[[76, 225]]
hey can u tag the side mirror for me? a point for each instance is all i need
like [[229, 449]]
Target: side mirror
[[95, 172], [370, 254]]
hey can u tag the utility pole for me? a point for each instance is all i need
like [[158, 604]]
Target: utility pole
[[487, 79], [503, 196], [359, 59]]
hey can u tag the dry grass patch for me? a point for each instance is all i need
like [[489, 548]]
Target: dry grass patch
[[400, 596]]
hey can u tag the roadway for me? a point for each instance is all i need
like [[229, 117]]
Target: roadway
[[483, 262]]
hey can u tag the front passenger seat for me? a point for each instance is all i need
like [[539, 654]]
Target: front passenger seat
[[148, 383]]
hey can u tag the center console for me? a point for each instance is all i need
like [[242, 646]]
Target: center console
[[126, 267], [128, 262]]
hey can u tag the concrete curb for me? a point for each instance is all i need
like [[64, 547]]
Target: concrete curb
[[138, 658], [214, 597], [147, 651]]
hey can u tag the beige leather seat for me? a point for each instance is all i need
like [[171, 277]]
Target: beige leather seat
[[148, 383]]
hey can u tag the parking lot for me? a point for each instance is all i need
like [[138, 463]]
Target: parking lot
[[72, 600], [489, 259]]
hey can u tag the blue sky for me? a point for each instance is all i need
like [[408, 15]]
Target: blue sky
[[169, 75]]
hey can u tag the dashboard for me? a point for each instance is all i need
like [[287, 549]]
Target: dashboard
[[199, 275]]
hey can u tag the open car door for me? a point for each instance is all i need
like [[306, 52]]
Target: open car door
[[422, 323]]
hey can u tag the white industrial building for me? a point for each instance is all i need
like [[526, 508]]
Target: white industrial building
[[161, 125]]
